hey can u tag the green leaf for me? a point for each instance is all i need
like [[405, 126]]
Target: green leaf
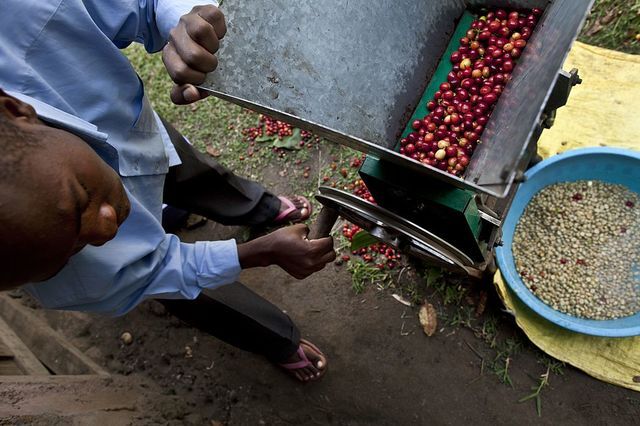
[[362, 239], [528, 397], [433, 275], [290, 142], [265, 138]]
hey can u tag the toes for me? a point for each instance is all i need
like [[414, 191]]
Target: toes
[[311, 373], [301, 208], [316, 357], [299, 203], [316, 367], [306, 374]]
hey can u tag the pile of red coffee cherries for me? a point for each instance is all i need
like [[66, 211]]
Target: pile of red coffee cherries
[[459, 111]]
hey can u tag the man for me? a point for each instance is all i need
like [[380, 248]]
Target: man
[[62, 58]]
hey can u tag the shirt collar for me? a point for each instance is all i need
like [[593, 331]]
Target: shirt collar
[[81, 128]]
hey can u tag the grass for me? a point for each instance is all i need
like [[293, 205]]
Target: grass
[[462, 317], [505, 352], [364, 274], [552, 366], [488, 331], [537, 389], [614, 24], [455, 298]]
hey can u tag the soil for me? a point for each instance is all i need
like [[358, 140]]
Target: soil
[[383, 369]]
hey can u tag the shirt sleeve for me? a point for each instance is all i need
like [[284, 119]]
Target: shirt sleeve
[[143, 21], [141, 262]]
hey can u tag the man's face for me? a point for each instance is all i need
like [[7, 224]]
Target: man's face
[[63, 199]]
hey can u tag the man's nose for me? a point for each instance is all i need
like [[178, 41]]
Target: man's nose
[[106, 227]]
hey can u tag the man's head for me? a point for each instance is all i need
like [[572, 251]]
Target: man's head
[[56, 196]]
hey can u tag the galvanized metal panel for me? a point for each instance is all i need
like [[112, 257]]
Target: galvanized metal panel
[[352, 66], [353, 72]]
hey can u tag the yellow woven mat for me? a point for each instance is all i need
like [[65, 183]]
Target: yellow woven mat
[[602, 111]]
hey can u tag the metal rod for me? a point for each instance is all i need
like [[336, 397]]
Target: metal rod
[[323, 224]]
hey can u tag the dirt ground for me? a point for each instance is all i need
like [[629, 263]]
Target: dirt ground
[[383, 369]]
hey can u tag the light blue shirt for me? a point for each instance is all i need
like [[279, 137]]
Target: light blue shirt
[[63, 57]]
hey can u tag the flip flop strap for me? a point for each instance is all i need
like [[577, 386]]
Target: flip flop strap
[[290, 208], [304, 361]]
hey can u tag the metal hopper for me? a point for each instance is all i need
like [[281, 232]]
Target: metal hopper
[[355, 72]]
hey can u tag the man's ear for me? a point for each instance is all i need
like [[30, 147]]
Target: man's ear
[[15, 109]]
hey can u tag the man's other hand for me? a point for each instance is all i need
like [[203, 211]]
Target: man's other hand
[[191, 51], [290, 249]]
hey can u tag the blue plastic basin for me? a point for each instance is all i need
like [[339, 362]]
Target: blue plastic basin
[[612, 165]]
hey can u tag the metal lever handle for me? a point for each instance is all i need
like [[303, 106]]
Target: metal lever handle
[[323, 224]]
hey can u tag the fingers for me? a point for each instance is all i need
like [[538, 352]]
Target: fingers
[[202, 32], [179, 71], [329, 256], [190, 53], [300, 229], [186, 94], [321, 253], [186, 61], [298, 255], [195, 43], [322, 245], [214, 17]]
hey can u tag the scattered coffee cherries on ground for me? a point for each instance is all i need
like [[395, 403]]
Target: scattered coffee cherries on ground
[[459, 111], [380, 254], [271, 128]]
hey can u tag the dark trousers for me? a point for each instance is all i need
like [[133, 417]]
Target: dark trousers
[[203, 186], [232, 313]]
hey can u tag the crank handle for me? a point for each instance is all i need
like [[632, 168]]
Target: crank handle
[[323, 224]]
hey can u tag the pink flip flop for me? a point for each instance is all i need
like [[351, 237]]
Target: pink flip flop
[[282, 217], [304, 361]]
